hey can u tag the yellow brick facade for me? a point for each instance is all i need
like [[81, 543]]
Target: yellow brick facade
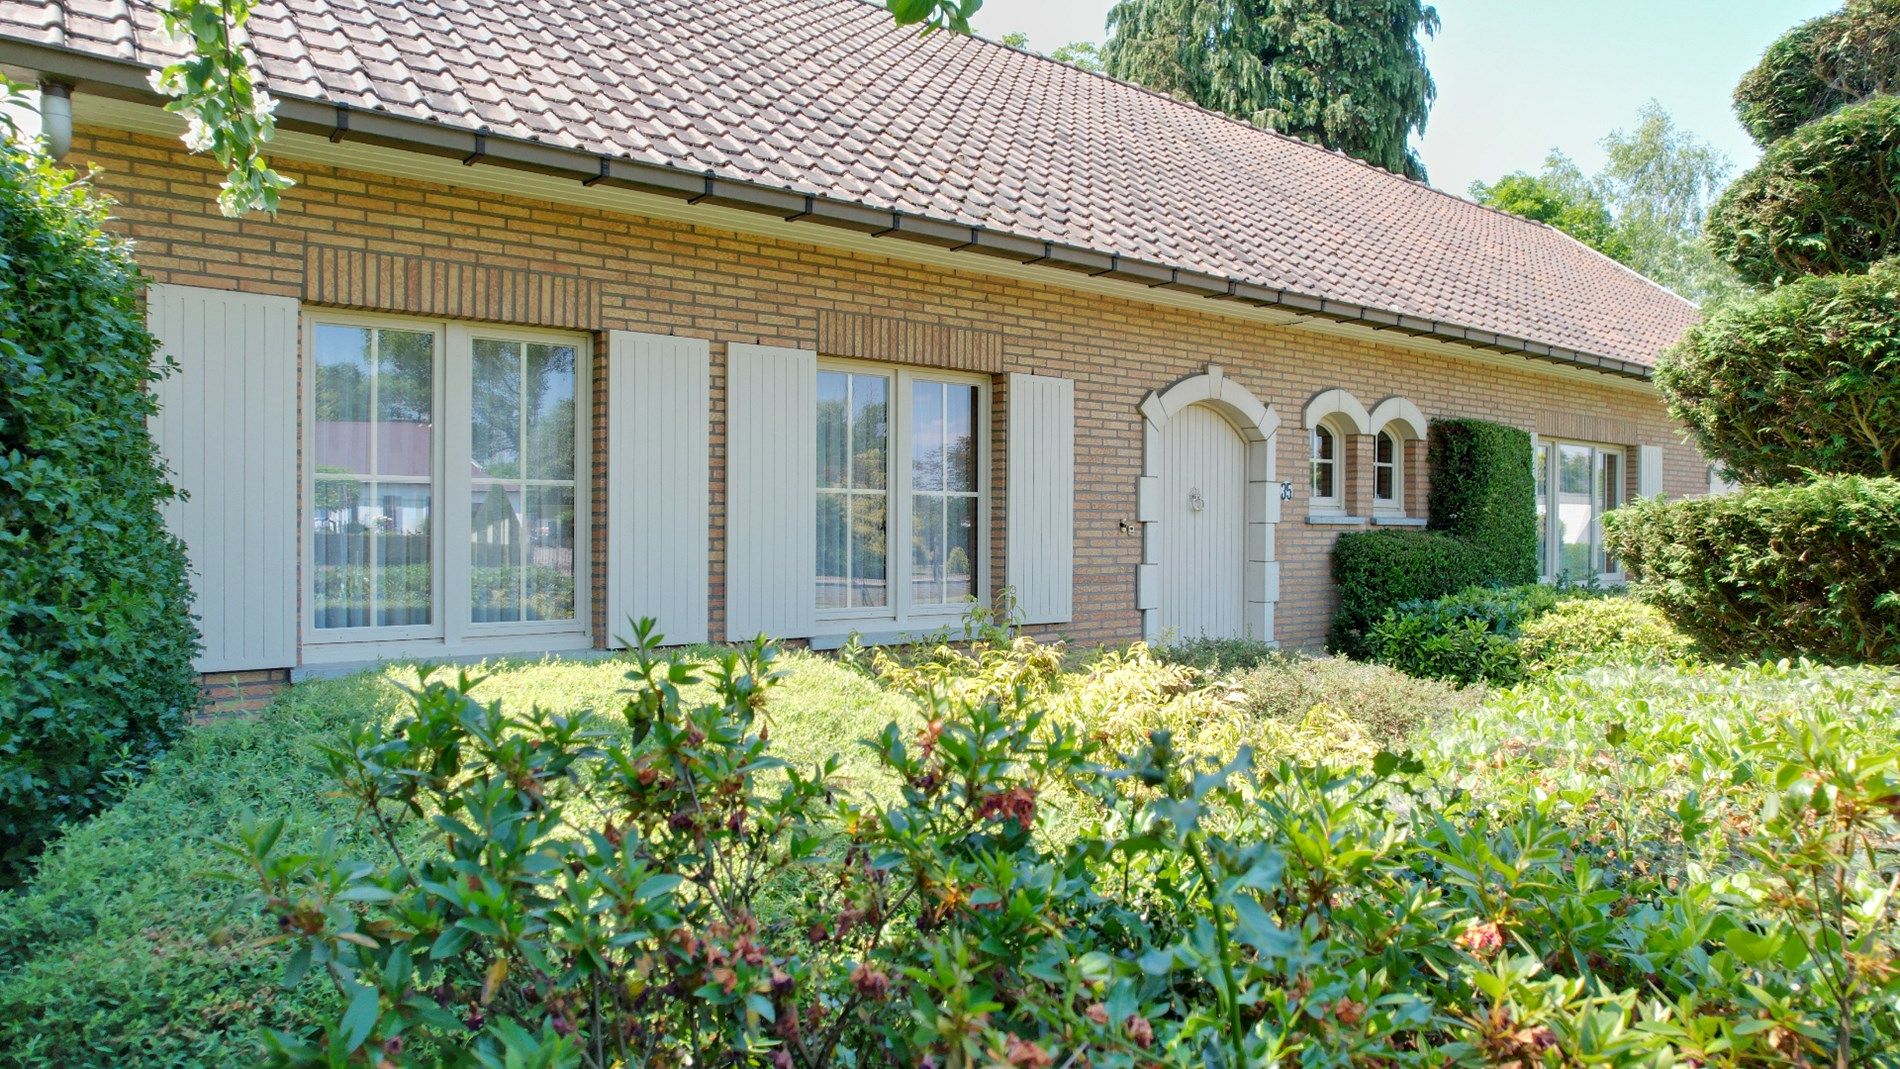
[[359, 240]]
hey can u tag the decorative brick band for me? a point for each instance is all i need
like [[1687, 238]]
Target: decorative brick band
[[1589, 428], [352, 278], [904, 341]]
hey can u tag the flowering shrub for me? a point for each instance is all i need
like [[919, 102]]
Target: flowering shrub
[[1646, 884]]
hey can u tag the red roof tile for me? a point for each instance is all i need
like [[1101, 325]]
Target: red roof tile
[[829, 97]]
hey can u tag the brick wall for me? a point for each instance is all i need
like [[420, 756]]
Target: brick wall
[[360, 240]]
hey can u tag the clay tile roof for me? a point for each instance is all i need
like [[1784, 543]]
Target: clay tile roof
[[829, 97]]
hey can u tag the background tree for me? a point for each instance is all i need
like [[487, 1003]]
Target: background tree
[[1659, 181], [1645, 208], [1348, 74], [1571, 206]]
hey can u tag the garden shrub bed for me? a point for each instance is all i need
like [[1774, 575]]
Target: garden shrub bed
[[1639, 786]]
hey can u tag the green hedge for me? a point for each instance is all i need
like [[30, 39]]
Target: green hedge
[[1483, 531], [1823, 200], [1483, 491], [1806, 378], [1375, 570], [1466, 637], [1774, 571], [1818, 66], [96, 636]]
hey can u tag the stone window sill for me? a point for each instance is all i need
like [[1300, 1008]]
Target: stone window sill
[[1334, 519], [1398, 521]]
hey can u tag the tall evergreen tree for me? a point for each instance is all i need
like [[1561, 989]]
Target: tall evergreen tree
[[1348, 74]]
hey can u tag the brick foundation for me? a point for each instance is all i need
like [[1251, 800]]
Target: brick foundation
[[222, 695]]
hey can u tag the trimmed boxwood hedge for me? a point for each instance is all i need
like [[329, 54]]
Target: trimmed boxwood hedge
[[1806, 378], [1483, 491], [1818, 66], [1808, 569], [96, 635], [1483, 531], [1824, 199], [1375, 570]]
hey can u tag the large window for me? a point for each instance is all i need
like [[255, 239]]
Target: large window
[[898, 451], [1576, 484], [446, 483]]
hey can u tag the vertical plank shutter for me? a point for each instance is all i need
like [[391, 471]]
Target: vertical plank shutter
[[227, 427], [1649, 472], [771, 491], [658, 471], [1041, 498]]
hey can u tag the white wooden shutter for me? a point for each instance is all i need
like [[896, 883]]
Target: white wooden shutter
[[771, 491], [658, 471], [1040, 511], [1649, 471], [227, 427]]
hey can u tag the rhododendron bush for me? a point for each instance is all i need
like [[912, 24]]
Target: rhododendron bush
[[1633, 885]]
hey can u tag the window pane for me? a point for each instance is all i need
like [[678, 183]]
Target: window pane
[[550, 565], [870, 430], [1322, 444], [833, 551], [1573, 540], [1382, 482], [404, 593], [1609, 496], [495, 554], [495, 409], [959, 442], [341, 443], [832, 421], [341, 542], [927, 549], [551, 412], [867, 550], [1573, 469], [926, 436], [405, 389], [1386, 447], [959, 561]]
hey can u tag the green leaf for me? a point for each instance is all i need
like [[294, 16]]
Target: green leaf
[[359, 1018]]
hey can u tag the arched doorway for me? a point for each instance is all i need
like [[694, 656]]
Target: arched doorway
[[1208, 500]]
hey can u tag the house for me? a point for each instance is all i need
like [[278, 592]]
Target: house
[[770, 316]]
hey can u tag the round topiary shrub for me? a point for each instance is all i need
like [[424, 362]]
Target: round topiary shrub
[[96, 636], [1824, 199], [1806, 378], [1807, 569], [1819, 66]]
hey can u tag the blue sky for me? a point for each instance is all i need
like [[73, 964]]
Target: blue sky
[[1517, 78]]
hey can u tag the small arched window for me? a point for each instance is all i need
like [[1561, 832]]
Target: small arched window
[[1327, 492], [1388, 474]]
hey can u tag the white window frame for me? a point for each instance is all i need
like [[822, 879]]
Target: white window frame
[[899, 612], [1333, 504], [1393, 506], [1554, 496], [451, 633]]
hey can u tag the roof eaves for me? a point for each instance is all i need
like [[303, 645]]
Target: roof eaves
[[125, 79]]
